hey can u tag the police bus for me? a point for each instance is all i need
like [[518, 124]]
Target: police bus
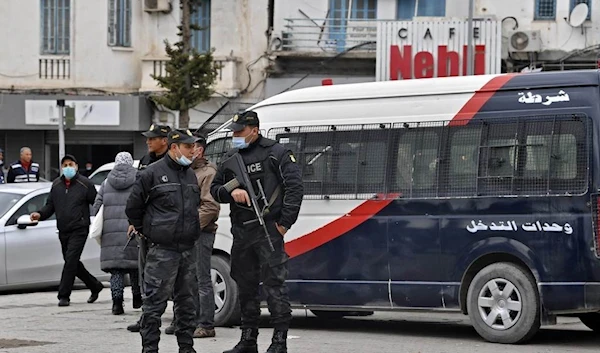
[[474, 194]]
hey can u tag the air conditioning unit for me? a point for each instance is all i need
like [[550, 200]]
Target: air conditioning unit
[[524, 41], [157, 5]]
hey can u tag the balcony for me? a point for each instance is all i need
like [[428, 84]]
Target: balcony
[[328, 37], [54, 69], [226, 84]]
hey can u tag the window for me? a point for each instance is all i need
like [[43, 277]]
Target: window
[[430, 8], [589, 4], [545, 9], [56, 26], [201, 18], [417, 163], [361, 9], [32, 205], [461, 178], [7, 201], [119, 23], [340, 162], [216, 149], [99, 177]]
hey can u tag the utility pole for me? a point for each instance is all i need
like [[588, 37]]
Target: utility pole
[[186, 39], [61, 130], [470, 39]]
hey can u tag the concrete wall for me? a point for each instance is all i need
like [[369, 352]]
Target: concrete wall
[[237, 29]]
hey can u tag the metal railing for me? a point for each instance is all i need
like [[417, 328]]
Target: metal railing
[[159, 68], [50, 68], [328, 35]]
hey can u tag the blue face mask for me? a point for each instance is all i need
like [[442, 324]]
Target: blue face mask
[[183, 160], [240, 142], [69, 172]]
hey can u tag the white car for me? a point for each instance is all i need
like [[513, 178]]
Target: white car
[[30, 253], [100, 174]]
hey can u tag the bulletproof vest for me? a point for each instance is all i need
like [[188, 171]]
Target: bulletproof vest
[[262, 169]]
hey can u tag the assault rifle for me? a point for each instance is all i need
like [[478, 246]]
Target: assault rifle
[[235, 164]]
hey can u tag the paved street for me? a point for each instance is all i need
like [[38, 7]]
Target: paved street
[[33, 321]]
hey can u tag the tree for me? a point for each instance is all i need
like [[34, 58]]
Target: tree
[[189, 75]]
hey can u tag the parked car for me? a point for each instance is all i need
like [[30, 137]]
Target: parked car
[[100, 174], [30, 254]]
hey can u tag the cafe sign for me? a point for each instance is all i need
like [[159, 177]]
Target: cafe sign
[[425, 49]]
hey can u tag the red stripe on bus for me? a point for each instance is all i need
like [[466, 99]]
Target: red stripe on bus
[[339, 227], [472, 107]]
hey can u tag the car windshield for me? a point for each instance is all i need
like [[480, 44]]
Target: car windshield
[[8, 200]]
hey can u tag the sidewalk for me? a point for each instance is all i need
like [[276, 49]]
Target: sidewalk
[[44, 327]]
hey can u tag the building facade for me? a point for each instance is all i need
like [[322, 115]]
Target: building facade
[[98, 55], [341, 39]]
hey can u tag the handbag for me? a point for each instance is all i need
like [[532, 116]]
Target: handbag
[[96, 226]]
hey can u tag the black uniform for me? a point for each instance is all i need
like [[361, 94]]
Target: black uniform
[[163, 206], [70, 201], [251, 257], [154, 131]]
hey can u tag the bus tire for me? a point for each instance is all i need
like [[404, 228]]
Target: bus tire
[[591, 320], [225, 288], [503, 304]]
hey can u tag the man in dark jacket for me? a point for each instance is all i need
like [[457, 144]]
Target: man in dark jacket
[[163, 207], [156, 140], [70, 198], [273, 168]]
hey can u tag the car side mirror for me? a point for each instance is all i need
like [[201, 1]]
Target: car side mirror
[[25, 221]]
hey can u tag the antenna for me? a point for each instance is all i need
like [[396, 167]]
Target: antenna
[[579, 15]]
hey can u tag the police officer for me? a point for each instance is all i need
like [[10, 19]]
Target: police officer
[[276, 169], [163, 207], [156, 140], [24, 170]]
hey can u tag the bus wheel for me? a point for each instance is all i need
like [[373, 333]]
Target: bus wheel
[[591, 320], [503, 304], [227, 308]]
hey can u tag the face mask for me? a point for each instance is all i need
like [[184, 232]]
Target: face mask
[[183, 160], [69, 172], [240, 142]]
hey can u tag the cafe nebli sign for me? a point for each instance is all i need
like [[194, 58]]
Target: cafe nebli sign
[[512, 226]]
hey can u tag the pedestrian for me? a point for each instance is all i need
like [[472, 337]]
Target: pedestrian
[[274, 168], [156, 140], [70, 198], [1, 166], [24, 170], [209, 214], [163, 207], [118, 256], [88, 170]]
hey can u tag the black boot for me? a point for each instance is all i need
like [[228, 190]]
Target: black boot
[[247, 343], [137, 301], [278, 342], [117, 308]]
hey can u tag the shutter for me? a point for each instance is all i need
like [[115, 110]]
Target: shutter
[[127, 24], [112, 23]]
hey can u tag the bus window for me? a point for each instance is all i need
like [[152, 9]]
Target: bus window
[[464, 147], [417, 163]]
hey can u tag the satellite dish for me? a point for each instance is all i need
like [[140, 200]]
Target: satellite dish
[[579, 15]]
